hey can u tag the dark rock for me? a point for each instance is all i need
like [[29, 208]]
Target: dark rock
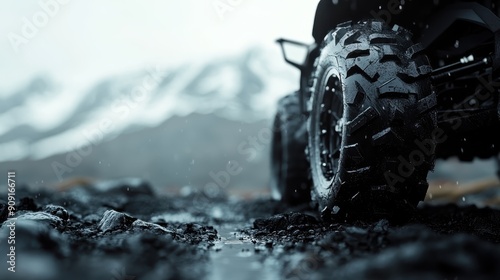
[[57, 211], [278, 222], [302, 219], [192, 228], [140, 225], [113, 220], [381, 226], [44, 218], [284, 222], [196, 233], [27, 203]]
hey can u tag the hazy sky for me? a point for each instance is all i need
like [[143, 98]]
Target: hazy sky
[[84, 40]]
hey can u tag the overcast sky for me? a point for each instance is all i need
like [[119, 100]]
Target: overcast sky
[[85, 40]]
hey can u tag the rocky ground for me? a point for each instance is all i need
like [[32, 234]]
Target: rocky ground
[[124, 230]]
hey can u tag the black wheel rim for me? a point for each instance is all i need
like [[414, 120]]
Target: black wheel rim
[[331, 125]]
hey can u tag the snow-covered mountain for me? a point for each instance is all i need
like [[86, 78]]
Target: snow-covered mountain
[[45, 118]]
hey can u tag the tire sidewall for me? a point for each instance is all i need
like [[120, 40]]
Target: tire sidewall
[[327, 66]]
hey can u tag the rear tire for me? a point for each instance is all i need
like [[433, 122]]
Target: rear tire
[[498, 166], [291, 182], [372, 104]]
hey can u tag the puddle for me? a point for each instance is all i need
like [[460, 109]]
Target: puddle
[[234, 257]]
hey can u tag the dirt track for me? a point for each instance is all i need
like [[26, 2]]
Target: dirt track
[[123, 230]]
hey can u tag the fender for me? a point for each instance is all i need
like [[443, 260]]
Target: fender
[[474, 13]]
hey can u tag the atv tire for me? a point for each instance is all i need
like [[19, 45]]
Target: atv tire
[[498, 166], [291, 181], [372, 123]]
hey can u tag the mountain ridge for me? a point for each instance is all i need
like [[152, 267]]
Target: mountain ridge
[[241, 88]]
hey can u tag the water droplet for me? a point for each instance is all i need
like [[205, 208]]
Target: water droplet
[[463, 198], [457, 44]]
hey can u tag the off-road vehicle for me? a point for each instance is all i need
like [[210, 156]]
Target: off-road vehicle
[[387, 88]]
